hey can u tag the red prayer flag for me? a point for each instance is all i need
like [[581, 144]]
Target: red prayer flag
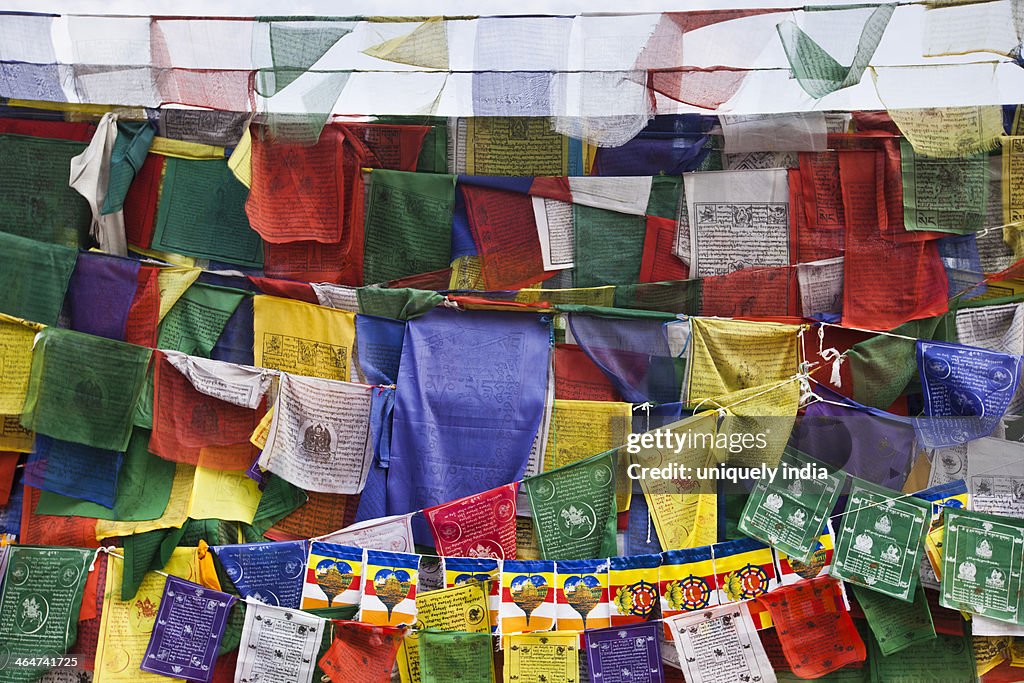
[[659, 264], [480, 525], [814, 628], [506, 237], [362, 653]]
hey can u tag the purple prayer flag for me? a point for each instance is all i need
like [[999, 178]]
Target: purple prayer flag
[[624, 654], [100, 294], [864, 442], [473, 386], [186, 635]]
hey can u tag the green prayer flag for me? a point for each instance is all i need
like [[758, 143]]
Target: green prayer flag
[[294, 45], [42, 595], [143, 488], [948, 195], [197, 319], [84, 388], [34, 277], [678, 296], [816, 70], [131, 146], [202, 213], [35, 199], [883, 366], [982, 557], [895, 624], [665, 194], [944, 659], [573, 509], [453, 657], [789, 513], [142, 553], [408, 224], [343, 613], [609, 246], [400, 303], [280, 499], [880, 539]]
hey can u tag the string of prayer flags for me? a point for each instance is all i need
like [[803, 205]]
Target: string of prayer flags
[[981, 564], [624, 654], [323, 350], [967, 391], [551, 657], [39, 606], [189, 626], [362, 652], [389, 588], [720, 644], [482, 438], [814, 627], [447, 657], [880, 542], [481, 525], [633, 588], [791, 514], [334, 576], [528, 596], [686, 581], [896, 625], [278, 644], [582, 596], [320, 436], [34, 278], [271, 573], [84, 388], [573, 509]]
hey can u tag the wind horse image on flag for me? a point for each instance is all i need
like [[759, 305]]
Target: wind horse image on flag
[[466, 347]]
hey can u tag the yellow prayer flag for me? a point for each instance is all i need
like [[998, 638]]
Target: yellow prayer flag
[[466, 273], [262, 431], [181, 149], [534, 657], [948, 132], [584, 296], [731, 355], [426, 46], [459, 608], [16, 337], [175, 514], [224, 494], [126, 626], [324, 348], [757, 424], [173, 281], [240, 161]]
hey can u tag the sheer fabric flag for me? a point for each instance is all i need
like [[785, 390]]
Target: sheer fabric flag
[[94, 409], [189, 626], [481, 525]]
